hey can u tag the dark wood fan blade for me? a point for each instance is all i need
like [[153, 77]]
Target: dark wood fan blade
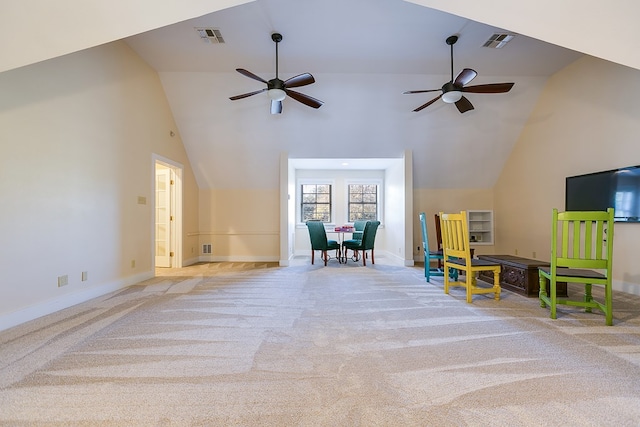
[[464, 105], [420, 91], [250, 75], [423, 106], [276, 107], [305, 99], [489, 88], [465, 77], [245, 95], [300, 80]]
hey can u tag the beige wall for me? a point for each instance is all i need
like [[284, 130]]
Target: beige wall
[[78, 136], [586, 120], [433, 201], [240, 224]]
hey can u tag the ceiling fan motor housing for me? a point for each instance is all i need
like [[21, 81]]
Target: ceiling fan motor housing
[[275, 84], [449, 86]]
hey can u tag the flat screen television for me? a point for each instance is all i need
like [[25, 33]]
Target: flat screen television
[[617, 188]]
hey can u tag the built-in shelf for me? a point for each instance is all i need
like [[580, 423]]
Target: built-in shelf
[[480, 227]]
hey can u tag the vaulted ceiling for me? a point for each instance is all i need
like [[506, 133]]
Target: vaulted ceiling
[[363, 55]]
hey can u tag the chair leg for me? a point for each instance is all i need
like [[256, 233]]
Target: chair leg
[[447, 278], [553, 297], [469, 284], [608, 296], [588, 296], [313, 253], [427, 267], [542, 292], [364, 258], [373, 261], [325, 257]]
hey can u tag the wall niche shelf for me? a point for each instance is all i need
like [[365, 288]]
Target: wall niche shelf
[[480, 227]]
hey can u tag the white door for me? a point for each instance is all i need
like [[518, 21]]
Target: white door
[[163, 216]]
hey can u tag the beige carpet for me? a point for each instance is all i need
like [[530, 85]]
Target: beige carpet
[[227, 344]]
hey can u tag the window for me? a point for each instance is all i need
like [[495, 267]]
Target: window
[[363, 202], [316, 202]]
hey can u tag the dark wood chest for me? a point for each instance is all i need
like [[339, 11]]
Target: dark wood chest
[[518, 274]]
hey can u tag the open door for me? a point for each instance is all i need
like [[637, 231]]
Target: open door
[[167, 213], [163, 216]]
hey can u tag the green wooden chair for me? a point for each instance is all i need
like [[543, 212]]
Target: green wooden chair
[[428, 254], [319, 242], [581, 252], [366, 244]]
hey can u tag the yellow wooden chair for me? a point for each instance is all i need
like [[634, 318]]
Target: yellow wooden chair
[[581, 252], [457, 255]]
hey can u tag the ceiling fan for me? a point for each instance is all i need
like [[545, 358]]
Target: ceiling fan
[[452, 90], [277, 89]]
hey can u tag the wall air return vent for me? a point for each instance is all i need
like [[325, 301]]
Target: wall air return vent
[[498, 40], [210, 35]]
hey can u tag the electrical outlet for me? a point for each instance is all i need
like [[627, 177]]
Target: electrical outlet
[[515, 252], [63, 280], [534, 254], [85, 276], [133, 263]]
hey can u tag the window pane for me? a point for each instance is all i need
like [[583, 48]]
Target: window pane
[[316, 202], [363, 202], [323, 198]]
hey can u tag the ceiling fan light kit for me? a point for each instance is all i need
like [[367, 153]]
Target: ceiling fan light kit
[[452, 91], [277, 90], [276, 94]]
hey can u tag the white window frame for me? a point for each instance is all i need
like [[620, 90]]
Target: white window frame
[[320, 181], [380, 194]]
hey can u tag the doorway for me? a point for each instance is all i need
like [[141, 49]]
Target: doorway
[[167, 217]]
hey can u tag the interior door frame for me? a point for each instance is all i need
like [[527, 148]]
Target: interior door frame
[[176, 200]]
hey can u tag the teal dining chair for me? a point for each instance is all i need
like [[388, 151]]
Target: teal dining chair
[[366, 244], [358, 228], [319, 242]]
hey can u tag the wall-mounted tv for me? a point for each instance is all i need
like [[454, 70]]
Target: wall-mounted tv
[[617, 188]]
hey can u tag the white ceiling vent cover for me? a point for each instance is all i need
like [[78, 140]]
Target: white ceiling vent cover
[[210, 35], [498, 40]]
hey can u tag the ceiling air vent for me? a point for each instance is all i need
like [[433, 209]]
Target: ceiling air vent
[[498, 40], [210, 35]]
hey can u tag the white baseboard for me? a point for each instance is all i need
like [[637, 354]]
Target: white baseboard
[[214, 258], [35, 311], [630, 288], [190, 261]]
